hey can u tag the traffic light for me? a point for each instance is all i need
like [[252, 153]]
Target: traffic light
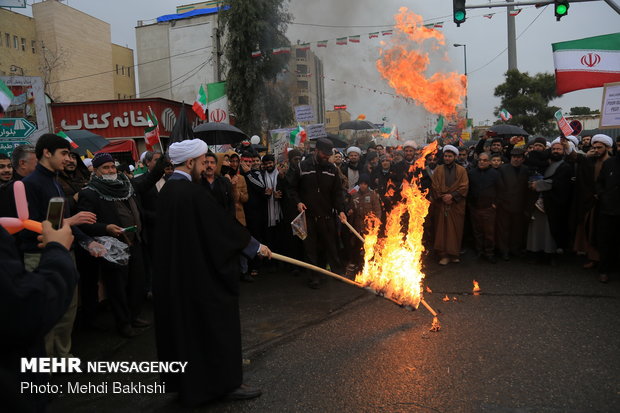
[[561, 8], [459, 11]]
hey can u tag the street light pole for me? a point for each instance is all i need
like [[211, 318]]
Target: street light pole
[[465, 61]]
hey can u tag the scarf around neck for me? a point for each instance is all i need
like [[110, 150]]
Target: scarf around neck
[[118, 190]]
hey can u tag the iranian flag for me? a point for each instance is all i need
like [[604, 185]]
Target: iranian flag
[[298, 136], [373, 35], [217, 102], [151, 132], [200, 105], [66, 137], [341, 41], [6, 96], [505, 115], [586, 63], [354, 39], [321, 43], [304, 46]]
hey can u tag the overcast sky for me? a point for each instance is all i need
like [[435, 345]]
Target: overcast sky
[[355, 63]]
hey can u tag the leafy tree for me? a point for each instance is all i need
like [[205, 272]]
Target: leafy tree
[[527, 99], [583, 110], [256, 99]]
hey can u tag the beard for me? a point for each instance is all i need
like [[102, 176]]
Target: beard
[[556, 157]]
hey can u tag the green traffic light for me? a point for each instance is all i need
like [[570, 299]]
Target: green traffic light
[[561, 9], [459, 16]]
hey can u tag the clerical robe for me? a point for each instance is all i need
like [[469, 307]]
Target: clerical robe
[[449, 219], [196, 290]]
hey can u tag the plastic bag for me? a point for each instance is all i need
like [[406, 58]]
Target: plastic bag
[[118, 251], [299, 226]]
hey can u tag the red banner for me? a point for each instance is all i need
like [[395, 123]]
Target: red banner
[[119, 118]]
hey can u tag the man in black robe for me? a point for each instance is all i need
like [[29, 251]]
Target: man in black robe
[[196, 283]]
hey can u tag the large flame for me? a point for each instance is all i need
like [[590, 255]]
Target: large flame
[[393, 264], [405, 68]]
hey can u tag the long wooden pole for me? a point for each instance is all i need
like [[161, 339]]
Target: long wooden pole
[[357, 234], [299, 263]]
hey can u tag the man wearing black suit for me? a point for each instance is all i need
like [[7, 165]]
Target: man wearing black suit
[[510, 219]]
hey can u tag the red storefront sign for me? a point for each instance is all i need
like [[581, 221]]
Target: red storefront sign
[[119, 118]]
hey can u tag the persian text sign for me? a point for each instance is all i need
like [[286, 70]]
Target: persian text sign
[[13, 128], [563, 123], [610, 113], [304, 113]]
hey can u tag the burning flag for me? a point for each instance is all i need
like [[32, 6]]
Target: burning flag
[[393, 264], [404, 63], [476, 287], [446, 298]]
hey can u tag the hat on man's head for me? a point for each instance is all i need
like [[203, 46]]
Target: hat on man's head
[[452, 149], [268, 157], [540, 140], [101, 158], [324, 145], [410, 144], [180, 152], [517, 152], [365, 178], [604, 139], [88, 162], [354, 149], [294, 153]]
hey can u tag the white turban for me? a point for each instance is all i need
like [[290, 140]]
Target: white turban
[[88, 162], [180, 152], [451, 149], [142, 155], [411, 144], [570, 138], [604, 139], [354, 149], [131, 168]]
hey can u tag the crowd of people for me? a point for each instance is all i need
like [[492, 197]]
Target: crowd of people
[[504, 198]]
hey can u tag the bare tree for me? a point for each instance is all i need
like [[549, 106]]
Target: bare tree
[[52, 63]]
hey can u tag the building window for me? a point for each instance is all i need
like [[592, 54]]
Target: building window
[[23, 44], [129, 71], [0, 39], [117, 74], [33, 44], [123, 70], [119, 95], [302, 69], [300, 53], [7, 38], [15, 44], [302, 84], [302, 100]]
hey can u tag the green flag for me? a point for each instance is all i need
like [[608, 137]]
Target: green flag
[[439, 126]]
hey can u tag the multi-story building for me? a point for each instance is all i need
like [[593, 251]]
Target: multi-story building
[[333, 119], [18, 45], [178, 53], [71, 50], [309, 88]]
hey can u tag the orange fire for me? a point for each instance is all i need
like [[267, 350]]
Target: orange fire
[[428, 290], [476, 287], [393, 264], [446, 298], [405, 68]]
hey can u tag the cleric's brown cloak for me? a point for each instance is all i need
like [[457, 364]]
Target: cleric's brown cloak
[[449, 219]]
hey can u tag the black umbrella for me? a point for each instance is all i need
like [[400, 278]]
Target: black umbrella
[[357, 124], [214, 133], [259, 148], [337, 140], [182, 129], [506, 129], [86, 140]]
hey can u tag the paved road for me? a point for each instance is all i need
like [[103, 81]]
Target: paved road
[[538, 339]]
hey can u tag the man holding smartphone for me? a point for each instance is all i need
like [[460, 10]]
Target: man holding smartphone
[[42, 185]]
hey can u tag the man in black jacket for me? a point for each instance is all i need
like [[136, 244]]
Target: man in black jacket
[[31, 303], [482, 200], [316, 188], [608, 191], [112, 198], [510, 215]]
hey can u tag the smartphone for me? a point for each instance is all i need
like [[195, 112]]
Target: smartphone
[[55, 211]]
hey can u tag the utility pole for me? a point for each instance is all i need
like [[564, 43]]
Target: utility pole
[[218, 55], [512, 38]]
